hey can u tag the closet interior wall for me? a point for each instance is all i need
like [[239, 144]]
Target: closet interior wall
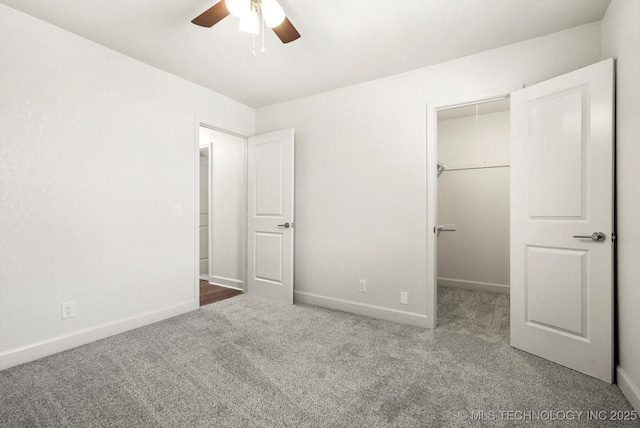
[[473, 195]]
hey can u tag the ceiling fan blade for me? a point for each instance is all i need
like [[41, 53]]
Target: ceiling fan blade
[[286, 31], [213, 15]]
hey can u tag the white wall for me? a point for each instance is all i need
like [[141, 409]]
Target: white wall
[[228, 206], [361, 170], [204, 212], [476, 255], [621, 40], [96, 148]]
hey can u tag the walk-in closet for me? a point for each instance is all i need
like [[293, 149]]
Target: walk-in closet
[[473, 216]]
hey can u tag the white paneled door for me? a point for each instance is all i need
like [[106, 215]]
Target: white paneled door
[[562, 220], [270, 216]]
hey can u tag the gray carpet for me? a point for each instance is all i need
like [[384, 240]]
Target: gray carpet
[[485, 315], [247, 362]]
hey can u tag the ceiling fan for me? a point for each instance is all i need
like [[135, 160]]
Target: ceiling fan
[[249, 12]]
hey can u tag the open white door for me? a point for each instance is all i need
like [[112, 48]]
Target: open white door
[[270, 216], [562, 220]]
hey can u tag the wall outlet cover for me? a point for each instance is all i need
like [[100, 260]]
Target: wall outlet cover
[[404, 298], [68, 309]]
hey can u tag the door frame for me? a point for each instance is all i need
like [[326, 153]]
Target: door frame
[[197, 125], [432, 183]]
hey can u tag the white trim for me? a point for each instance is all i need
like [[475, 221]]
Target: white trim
[[196, 184], [210, 209], [464, 101], [224, 131], [62, 343], [394, 315], [224, 279], [236, 284], [227, 286], [208, 215], [432, 183], [473, 285], [245, 229], [432, 210], [630, 390]]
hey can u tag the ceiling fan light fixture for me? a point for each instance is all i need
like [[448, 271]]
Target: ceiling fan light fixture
[[250, 23], [272, 12], [238, 8], [250, 13]]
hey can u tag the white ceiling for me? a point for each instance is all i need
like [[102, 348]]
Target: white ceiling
[[343, 41]]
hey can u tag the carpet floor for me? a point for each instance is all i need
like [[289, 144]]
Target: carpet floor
[[248, 362]]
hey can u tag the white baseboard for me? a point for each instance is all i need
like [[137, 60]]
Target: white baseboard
[[227, 286], [45, 348], [474, 285], [236, 284], [362, 309], [628, 388]]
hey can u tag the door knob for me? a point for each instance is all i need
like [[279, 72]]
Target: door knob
[[446, 228], [596, 236], [286, 225]]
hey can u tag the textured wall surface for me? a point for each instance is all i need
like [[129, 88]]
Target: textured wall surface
[[96, 150]]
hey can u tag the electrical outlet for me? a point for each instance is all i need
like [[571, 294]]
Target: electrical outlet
[[404, 298], [177, 210], [68, 309], [362, 285]]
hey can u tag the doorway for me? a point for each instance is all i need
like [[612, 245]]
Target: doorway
[[250, 212], [221, 214], [473, 209], [435, 170], [561, 198]]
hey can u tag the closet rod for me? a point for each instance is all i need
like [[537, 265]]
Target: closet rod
[[474, 103], [494, 164], [477, 167]]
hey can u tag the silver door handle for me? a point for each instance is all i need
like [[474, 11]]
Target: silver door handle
[[596, 236], [286, 225], [446, 228]]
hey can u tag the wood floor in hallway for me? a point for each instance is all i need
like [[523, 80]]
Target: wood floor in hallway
[[210, 293]]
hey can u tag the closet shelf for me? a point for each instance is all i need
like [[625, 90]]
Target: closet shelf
[[479, 165]]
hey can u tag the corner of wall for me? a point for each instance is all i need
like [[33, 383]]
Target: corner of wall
[[619, 39], [628, 388]]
